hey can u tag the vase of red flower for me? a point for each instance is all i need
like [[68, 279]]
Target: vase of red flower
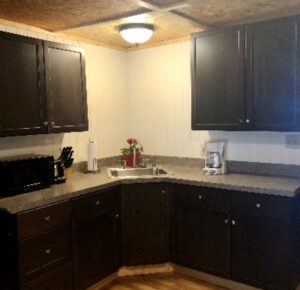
[[128, 153]]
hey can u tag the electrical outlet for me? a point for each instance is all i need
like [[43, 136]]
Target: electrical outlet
[[292, 141]]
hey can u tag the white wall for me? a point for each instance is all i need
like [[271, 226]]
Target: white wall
[[160, 111], [107, 105]]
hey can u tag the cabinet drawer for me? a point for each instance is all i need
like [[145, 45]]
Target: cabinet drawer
[[253, 204], [58, 279], [95, 203], [202, 197], [43, 252], [35, 221]]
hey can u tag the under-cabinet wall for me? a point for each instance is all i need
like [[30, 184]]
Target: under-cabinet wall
[[106, 105]]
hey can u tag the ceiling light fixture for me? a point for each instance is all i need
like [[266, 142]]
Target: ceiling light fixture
[[136, 33]]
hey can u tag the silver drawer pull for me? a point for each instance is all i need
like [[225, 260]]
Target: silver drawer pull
[[47, 218], [48, 251], [116, 215], [258, 205], [163, 191], [200, 197], [233, 222], [226, 221], [97, 203]]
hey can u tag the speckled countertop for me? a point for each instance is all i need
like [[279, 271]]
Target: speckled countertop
[[81, 184]]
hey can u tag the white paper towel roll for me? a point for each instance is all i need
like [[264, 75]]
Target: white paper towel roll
[[92, 156]]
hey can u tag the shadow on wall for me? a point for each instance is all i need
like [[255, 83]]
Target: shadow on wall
[[37, 144]]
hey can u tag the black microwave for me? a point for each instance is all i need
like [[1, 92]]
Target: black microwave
[[20, 174]]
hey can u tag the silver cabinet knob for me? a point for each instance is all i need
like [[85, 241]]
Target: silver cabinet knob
[[241, 121], [258, 205], [45, 123], [226, 221], [248, 121], [48, 251], [163, 191], [97, 203], [200, 196], [116, 215], [47, 218], [233, 222]]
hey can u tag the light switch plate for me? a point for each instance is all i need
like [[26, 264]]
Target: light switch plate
[[292, 141]]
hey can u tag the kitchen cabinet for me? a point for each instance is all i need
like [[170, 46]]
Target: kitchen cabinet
[[218, 79], [43, 87], [145, 224], [246, 77], [201, 234], [65, 88], [22, 86], [43, 247], [273, 96], [96, 236], [260, 233]]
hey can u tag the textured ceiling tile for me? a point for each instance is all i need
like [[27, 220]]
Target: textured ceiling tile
[[57, 14], [168, 27], [222, 12]]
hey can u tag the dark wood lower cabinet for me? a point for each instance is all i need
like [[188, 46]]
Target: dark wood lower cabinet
[[246, 237], [145, 221], [57, 279], [203, 241], [96, 237], [201, 230], [260, 252]]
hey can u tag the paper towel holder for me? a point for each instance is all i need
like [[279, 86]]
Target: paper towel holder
[[94, 163]]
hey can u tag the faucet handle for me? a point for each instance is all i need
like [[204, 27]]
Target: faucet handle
[[153, 160], [123, 162]]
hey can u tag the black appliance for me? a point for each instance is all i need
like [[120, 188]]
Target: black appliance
[[59, 171], [20, 174]]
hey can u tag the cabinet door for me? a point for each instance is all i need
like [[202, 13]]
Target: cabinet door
[[273, 100], [95, 243], [260, 252], [58, 279], [202, 240], [21, 85], [218, 80], [145, 220], [66, 88]]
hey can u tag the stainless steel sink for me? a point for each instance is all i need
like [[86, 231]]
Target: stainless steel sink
[[135, 172]]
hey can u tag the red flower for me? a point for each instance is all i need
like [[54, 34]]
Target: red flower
[[131, 141]]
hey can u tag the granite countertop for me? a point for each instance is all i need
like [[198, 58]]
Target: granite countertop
[[82, 183]]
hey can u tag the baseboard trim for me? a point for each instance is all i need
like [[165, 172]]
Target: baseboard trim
[[104, 282], [169, 268], [211, 278], [143, 270]]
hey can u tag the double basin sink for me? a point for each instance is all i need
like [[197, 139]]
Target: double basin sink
[[135, 172]]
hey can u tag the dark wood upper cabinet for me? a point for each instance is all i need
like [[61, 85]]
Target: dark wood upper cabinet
[[218, 80], [42, 85], [65, 86], [145, 224], [22, 105], [273, 99], [247, 78]]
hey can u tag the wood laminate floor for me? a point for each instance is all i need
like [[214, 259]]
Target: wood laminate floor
[[160, 281]]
